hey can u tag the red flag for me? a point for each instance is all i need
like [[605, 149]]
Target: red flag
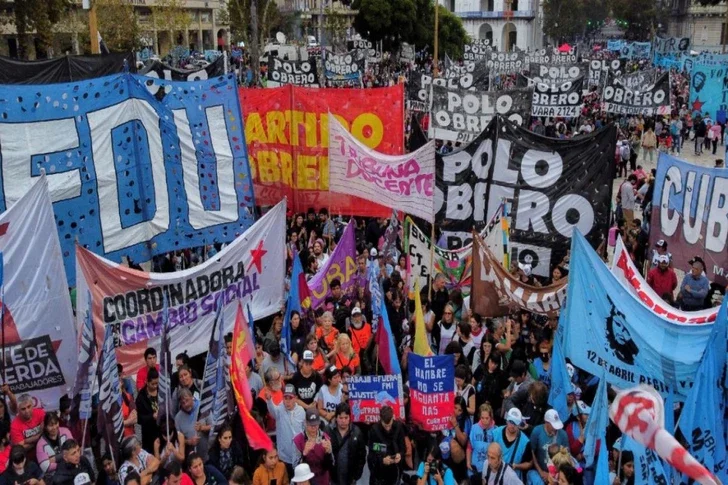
[[257, 437]]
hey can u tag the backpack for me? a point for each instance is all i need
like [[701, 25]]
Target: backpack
[[674, 129], [624, 151]]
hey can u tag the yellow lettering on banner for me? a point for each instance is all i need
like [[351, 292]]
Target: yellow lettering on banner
[[310, 125], [287, 168], [307, 173], [294, 119], [375, 125], [268, 170], [254, 131], [350, 268], [276, 121]]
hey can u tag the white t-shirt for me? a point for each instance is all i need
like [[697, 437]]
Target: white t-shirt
[[127, 467]]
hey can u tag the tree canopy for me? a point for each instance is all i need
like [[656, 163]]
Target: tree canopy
[[37, 16]]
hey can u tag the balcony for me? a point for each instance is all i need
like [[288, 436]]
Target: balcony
[[517, 14]]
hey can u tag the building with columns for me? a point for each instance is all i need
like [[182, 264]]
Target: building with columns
[[506, 23], [706, 26], [207, 30]]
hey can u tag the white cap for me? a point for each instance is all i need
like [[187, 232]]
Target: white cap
[[583, 408], [373, 252], [514, 416], [308, 355], [356, 311], [302, 473], [663, 258], [570, 370], [552, 417]]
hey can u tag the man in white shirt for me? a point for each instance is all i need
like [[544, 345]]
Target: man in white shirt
[[290, 418], [498, 472], [628, 199]]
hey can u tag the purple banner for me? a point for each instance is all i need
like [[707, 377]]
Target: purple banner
[[340, 266]]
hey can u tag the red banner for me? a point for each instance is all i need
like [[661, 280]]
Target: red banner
[[287, 132]]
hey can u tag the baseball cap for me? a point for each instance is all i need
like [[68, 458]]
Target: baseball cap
[[663, 258], [373, 253], [552, 417], [445, 449], [307, 356], [518, 368], [514, 416], [331, 371], [289, 390], [583, 408], [661, 243], [312, 417], [356, 311], [570, 370]]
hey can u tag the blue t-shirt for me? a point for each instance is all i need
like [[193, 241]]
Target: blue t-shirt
[[447, 479], [480, 439], [540, 443]]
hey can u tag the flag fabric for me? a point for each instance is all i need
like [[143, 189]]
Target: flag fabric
[[420, 347], [385, 342], [299, 298], [251, 326], [597, 423], [560, 381], [257, 437], [375, 290], [221, 406], [648, 468], [86, 370], [601, 476], [110, 418], [212, 388], [389, 248], [164, 396], [702, 419]]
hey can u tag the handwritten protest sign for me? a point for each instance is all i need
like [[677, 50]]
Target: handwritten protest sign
[[367, 395], [432, 390]]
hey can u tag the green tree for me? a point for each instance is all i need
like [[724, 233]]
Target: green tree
[[270, 20], [563, 18], [335, 25], [118, 25], [641, 16], [451, 36], [37, 16], [170, 15]]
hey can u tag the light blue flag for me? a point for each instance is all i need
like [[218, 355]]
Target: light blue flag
[[670, 428], [376, 291], [702, 419], [608, 329], [601, 476], [598, 421], [385, 341], [292, 304], [648, 468], [560, 382]]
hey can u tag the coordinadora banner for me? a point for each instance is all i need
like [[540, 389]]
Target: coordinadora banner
[[627, 273], [499, 293], [249, 270], [135, 165], [545, 179], [40, 353], [287, 131], [461, 115], [432, 391], [605, 328], [647, 100], [402, 182], [341, 266], [689, 211]]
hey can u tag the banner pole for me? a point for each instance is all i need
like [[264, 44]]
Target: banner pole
[[432, 260], [2, 329]]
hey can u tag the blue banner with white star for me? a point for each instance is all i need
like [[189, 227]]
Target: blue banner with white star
[[136, 166]]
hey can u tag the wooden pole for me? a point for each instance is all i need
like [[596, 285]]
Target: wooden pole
[[93, 29], [437, 22], [432, 262]]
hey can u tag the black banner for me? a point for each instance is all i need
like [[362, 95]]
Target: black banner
[[557, 100], [552, 56], [554, 186], [506, 62], [162, 71], [461, 115], [32, 365], [343, 66], [556, 73], [64, 69], [477, 50], [638, 80], [598, 69], [365, 50], [471, 76], [110, 420], [298, 73], [649, 101]]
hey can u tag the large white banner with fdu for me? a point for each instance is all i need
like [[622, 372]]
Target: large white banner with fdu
[[136, 166]]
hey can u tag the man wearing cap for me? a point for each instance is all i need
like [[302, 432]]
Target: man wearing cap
[[549, 433], [307, 382], [314, 448], [73, 469], [516, 394], [662, 278], [660, 250], [359, 330], [576, 431], [290, 418], [274, 358], [514, 444]]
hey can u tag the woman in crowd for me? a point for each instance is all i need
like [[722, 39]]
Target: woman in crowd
[[298, 336], [226, 453], [343, 354], [135, 459], [48, 447], [170, 447], [201, 474], [464, 389], [270, 471], [331, 394], [320, 359]]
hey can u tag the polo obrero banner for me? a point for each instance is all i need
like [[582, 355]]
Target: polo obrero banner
[[250, 270]]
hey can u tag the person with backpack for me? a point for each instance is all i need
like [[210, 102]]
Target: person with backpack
[[624, 154], [675, 130]]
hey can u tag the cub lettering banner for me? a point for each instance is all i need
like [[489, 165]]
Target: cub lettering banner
[[432, 391], [650, 100], [556, 73], [554, 185], [627, 273], [159, 70], [460, 115], [367, 395], [287, 133], [343, 67], [689, 211], [40, 352], [500, 293], [131, 162], [708, 89], [604, 328], [249, 270], [298, 73], [558, 100], [402, 182]]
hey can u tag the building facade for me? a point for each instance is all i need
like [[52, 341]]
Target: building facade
[[706, 26], [506, 23]]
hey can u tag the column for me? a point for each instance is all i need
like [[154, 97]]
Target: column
[[200, 47], [214, 30]]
